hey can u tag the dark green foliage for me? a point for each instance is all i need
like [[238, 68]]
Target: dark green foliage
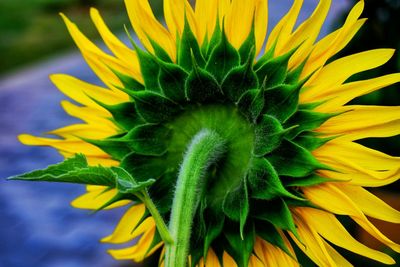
[[124, 115], [170, 79], [269, 233], [188, 47], [126, 184], [149, 69], [240, 248], [251, 104]]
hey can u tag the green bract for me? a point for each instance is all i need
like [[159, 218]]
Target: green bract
[[252, 104]]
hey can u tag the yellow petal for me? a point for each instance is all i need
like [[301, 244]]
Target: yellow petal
[[331, 198], [71, 146], [306, 34], [260, 23], [332, 230], [336, 256], [89, 115], [147, 26], [271, 255], [206, 17], [340, 95], [338, 71], [311, 243], [84, 131], [237, 30], [370, 204], [128, 227], [255, 262], [333, 43], [99, 61], [94, 200], [228, 260], [283, 30], [211, 261], [363, 156], [139, 251], [82, 92], [124, 53], [360, 121]]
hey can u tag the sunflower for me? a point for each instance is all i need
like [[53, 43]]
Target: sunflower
[[229, 148]]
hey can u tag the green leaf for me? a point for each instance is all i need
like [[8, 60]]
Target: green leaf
[[142, 167], [282, 101], [268, 135], [73, 170], [292, 160], [201, 86], [310, 180], [240, 248], [277, 213], [268, 55], [251, 104], [126, 184], [239, 80], [172, 81], [264, 181], [306, 120], [269, 233], [149, 69], [188, 46], [236, 205], [159, 52], [155, 108], [149, 139], [215, 39], [223, 58]]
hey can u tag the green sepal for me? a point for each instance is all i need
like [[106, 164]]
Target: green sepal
[[148, 139], [112, 146], [274, 71], [162, 192], [126, 184], [268, 135], [247, 48], [239, 80], [268, 55], [154, 107], [310, 180], [306, 120], [201, 86], [264, 181], [115, 199], [149, 69], [159, 52], [293, 76], [290, 159], [223, 58], [215, 39], [128, 82], [240, 248], [251, 104], [214, 226], [171, 79], [73, 170], [312, 141], [312, 105], [124, 115], [189, 46], [144, 167], [282, 101], [236, 205], [277, 213], [269, 233]]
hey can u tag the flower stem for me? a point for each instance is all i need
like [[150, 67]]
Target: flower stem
[[205, 148], [159, 221]]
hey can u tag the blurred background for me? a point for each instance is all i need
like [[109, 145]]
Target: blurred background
[[38, 227]]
